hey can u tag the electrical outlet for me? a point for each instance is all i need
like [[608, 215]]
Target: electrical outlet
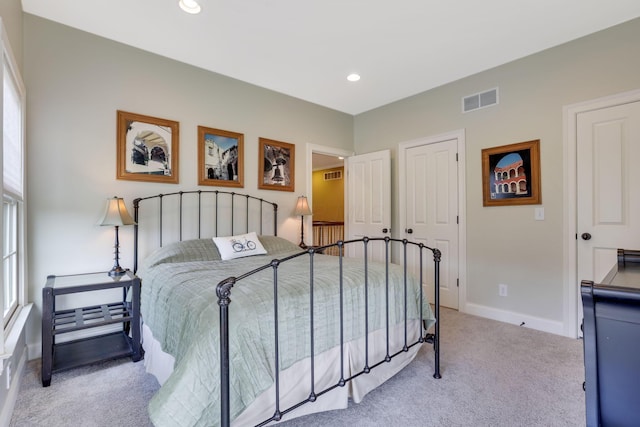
[[9, 375], [502, 290]]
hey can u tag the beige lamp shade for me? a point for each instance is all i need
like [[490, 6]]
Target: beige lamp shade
[[302, 207], [116, 213]]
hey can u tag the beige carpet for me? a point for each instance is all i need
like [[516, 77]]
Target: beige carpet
[[493, 374]]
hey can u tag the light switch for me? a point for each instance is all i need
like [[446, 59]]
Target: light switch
[[539, 214]]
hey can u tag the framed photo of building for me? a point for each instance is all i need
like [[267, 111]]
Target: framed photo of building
[[277, 165], [147, 148], [220, 157], [511, 174]]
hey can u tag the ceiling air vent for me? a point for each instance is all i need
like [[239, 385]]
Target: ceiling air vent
[[330, 176], [480, 100]]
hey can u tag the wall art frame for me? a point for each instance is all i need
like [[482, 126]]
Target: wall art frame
[[220, 157], [511, 174], [276, 164], [147, 148]]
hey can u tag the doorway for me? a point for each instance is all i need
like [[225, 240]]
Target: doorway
[[328, 187], [327, 177]]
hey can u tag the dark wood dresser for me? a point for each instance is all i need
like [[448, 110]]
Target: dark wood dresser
[[611, 328]]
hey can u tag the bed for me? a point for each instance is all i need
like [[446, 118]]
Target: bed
[[274, 335]]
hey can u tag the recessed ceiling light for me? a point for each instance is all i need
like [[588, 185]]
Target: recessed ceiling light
[[353, 77], [190, 6]]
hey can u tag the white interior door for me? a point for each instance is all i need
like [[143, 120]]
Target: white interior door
[[430, 187], [369, 189], [608, 179]]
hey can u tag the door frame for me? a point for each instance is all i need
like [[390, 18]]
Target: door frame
[[570, 113], [329, 151], [458, 135]]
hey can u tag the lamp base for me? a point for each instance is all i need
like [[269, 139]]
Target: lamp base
[[117, 271], [302, 245]]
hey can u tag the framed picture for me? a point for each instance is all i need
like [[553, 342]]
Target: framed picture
[[147, 148], [220, 157], [277, 165], [511, 174]]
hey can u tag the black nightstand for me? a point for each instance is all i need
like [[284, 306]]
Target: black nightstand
[[113, 345]]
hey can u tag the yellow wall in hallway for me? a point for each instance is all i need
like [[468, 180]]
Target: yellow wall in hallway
[[328, 197]]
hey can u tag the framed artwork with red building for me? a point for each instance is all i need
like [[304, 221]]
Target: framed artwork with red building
[[511, 174]]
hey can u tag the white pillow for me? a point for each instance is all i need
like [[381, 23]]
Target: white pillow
[[231, 247]]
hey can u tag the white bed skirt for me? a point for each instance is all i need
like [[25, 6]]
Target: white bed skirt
[[295, 381]]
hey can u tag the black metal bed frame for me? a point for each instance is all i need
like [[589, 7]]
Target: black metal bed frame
[[223, 292]]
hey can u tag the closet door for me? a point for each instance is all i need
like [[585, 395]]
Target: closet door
[[429, 196]]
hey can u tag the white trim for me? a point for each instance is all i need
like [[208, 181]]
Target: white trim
[[14, 376], [514, 318], [458, 135], [570, 118], [12, 394], [8, 59], [14, 332], [329, 151]]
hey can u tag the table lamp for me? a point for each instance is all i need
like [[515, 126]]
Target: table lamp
[[302, 209], [116, 214]]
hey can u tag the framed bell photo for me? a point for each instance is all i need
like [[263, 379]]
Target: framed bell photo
[[511, 174], [147, 148], [277, 165], [220, 157]]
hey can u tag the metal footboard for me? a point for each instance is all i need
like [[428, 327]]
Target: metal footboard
[[224, 288]]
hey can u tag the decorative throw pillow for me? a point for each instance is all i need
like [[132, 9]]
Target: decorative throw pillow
[[231, 247]]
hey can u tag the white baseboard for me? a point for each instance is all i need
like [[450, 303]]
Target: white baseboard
[[512, 317], [12, 395], [34, 350]]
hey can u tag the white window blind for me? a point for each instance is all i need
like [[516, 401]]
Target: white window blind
[[12, 134]]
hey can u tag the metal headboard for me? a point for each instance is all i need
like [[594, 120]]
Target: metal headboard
[[253, 209]]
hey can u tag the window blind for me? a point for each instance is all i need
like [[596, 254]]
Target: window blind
[[12, 135]]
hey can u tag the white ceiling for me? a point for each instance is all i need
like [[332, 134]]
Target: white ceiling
[[323, 161], [306, 48]]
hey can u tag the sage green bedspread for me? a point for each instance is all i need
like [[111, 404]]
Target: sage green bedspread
[[179, 304]]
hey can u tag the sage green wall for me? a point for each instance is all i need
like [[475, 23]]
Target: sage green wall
[[76, 82], [506, 244]]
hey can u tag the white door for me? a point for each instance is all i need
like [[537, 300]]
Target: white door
[[430, 197], [608, 183], [369, 189]]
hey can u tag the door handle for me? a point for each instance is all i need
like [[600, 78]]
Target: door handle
[[586, 236], [385, 230], [409, 230]]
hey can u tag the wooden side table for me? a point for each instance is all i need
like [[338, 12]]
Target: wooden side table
[[84, 351]]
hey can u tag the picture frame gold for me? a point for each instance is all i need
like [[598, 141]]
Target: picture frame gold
[[147, 148], [220, 157], [511, 174], [276, 165]]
